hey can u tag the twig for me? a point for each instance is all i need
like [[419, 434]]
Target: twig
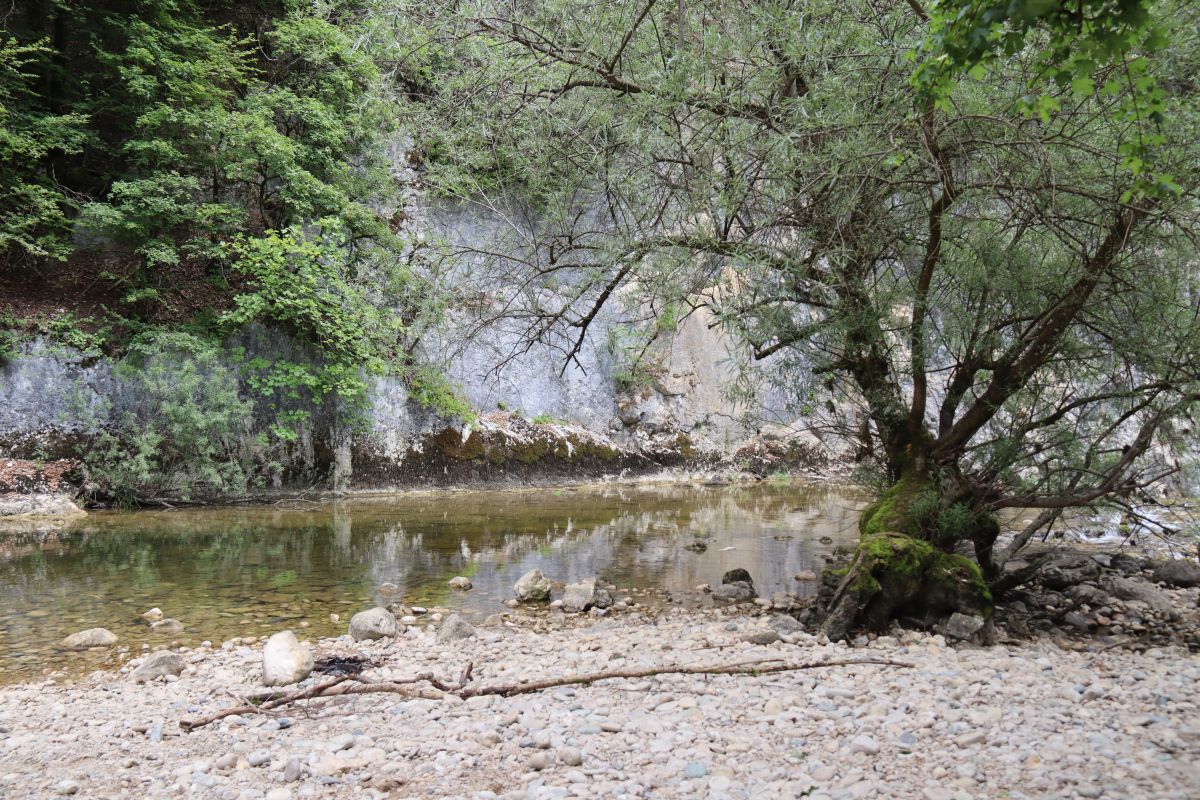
[[340, 686]]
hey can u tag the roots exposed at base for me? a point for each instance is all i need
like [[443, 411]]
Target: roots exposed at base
[[892, 575]]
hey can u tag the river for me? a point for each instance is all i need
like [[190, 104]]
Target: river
[[249, 571]]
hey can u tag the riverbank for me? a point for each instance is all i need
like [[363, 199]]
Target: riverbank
[[1016, 720]]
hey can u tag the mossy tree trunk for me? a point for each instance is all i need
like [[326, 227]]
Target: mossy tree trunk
[[906, 564]]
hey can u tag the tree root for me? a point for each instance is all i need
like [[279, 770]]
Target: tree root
[[437, 689]]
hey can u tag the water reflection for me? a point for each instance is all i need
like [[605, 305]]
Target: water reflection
[[248, 571]]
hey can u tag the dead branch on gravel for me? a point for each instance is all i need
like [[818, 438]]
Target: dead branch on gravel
[[438, 689]]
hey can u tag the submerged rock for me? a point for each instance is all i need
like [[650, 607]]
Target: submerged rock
[[375, 623], [285, 660], [157, 665], [167, 626], [92, 637], [533, 586]]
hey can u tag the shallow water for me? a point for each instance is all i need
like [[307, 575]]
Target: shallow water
[[228, 572]]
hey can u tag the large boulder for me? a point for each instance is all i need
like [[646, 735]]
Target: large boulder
[[1178, 572], [454, 629], [533, 587], [92, 637], [736, 587], [285, 660], [579, 597], [1140, 590], [158, 664], [375, 623]]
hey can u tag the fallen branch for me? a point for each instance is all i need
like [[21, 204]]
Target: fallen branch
[[349, 684]]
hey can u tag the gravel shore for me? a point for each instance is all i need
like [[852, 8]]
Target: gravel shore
[[1009, 721]]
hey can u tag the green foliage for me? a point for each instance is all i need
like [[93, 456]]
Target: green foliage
[[1081, 46], [430, 387], [189, 432], [298, 281], [33, 207], [85, 336], [222, 144], [10, 345]]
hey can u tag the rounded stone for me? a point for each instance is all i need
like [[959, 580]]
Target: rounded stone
[[375, 623]]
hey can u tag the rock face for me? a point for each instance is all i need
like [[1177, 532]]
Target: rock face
[[454, 629], [579, 597], [376, 623], [461, 583], [92, 637], [35, 506], [532, 587], [1178, 572], [285, 660], [157, 665]]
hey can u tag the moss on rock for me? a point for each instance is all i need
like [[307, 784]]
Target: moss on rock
[[894, 575]]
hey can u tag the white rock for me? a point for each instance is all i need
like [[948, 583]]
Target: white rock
[[454, 629], [376, 623], [463, 584], [579, 596], [285, 660], [864, 744], [159, 664], [533, 586]]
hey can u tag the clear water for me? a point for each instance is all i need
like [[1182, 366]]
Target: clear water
[[228, 572]]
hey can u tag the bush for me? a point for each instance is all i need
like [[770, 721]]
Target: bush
[[188, 431]]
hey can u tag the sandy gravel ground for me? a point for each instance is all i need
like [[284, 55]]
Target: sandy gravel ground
[[1027, 721]]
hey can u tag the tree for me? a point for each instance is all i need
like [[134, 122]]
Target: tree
[[984, 275]]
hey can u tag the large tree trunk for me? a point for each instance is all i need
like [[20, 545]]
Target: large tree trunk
[[905, 565]]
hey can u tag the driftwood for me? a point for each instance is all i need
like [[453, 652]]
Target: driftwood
[[436, 689]]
